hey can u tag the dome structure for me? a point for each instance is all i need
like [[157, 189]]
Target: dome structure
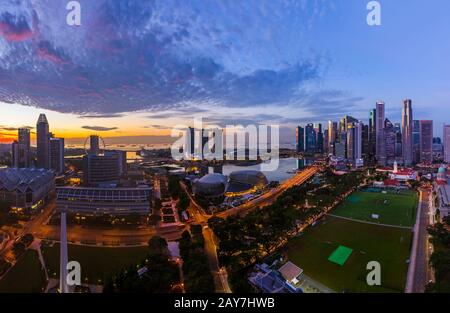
[[246, 181], [210, 185]]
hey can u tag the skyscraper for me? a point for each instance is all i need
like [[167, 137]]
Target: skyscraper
[[300, 139], [354, 143], [310, 139], [407, 131], [379, 131], [24, 139], [332, 134], [57, 155], [416, 141], [446, 136], [42, 129], [426, 141], [372, 140], [319, 137], [389, 142], [19, 155]]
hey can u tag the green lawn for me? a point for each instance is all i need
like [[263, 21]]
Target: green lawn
[[387, 245], [26, 276], [96, 262], [392, 208]]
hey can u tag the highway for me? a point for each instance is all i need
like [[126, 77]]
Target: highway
[[420, 273], [270, 196]]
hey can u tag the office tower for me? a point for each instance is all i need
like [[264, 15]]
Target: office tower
[[122, 159], [426, 141], [341, 145], [379, 132], [354, 143], [300, 139], [57, 155], [416, 141], [389, 142], [343, 124], [407, 132], [372, 136], [365, 142], [319, 138], [446, 136], [398, 142], [94, 144], [310, 139], [101, 169], [19, 155], [332, 135], [24, 140], [43, 137]]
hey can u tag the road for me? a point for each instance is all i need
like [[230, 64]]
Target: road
[[270, 196], [419, 273], [201, 217]]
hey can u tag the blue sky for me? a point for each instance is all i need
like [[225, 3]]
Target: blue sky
[[139, 67]]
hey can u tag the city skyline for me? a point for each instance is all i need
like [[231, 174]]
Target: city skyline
[[228, 81]]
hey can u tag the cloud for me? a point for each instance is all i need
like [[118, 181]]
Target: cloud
[[14, 28], [157, 126], [93, 116], [155, 56], [10, 128], [99, 128]]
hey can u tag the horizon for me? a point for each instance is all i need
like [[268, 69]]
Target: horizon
[[142, 71]]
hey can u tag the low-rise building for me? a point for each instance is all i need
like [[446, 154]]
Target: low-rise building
[[26, 189], [91, 201]]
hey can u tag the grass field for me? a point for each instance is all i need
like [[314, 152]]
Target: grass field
[[392, 208], [96, 262], [387, 245], [26, 276]]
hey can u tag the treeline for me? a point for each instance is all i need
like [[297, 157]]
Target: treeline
[[440, 259], [246, 240], [156, 274], [196, 271]]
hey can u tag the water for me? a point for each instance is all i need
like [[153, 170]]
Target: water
[[281, 174]]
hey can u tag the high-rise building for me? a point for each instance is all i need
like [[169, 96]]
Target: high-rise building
[[310, 139], [24, 139], [19, 155], [398, 142], [416, 141], [372, 140], [101, 169], [43, 136], [446, 136], [426, 141], [379, 132], [407, 132], [300, 139], [94, 144], [57, 155], [365, 142], [319, 138], [354, 143], [332, 135], [389, 142]]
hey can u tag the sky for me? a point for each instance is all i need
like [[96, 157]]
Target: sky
[[138, 68]]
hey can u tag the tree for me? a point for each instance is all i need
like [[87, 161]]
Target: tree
[[27, 239], [154, 219], [18, 249]]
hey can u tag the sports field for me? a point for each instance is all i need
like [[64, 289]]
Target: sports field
[[387, 245], [392, 208], [96, 262]]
